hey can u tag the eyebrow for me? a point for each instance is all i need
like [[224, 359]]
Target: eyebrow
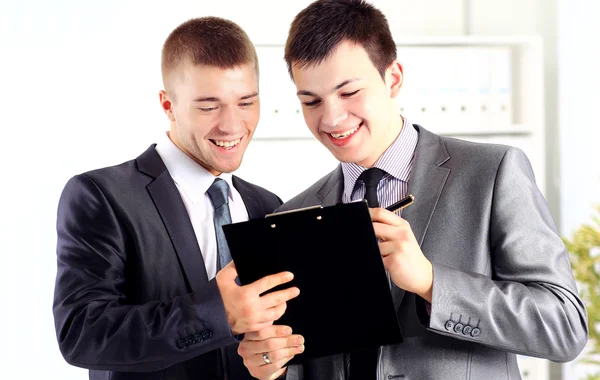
[[308, 93], [215, 99], [249, 96]]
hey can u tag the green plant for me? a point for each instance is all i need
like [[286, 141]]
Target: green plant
[[584, 249]]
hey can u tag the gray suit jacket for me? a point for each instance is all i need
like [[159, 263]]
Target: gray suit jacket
[[502, 278]]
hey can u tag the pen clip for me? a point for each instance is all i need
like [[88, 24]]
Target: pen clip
[[403, 203]]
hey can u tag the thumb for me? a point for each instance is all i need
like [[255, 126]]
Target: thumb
[[229, 272]]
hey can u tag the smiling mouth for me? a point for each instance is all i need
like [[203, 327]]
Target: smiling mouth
[[226, 144], [349, 132]]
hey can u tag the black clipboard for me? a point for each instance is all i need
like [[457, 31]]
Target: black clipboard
[[345, 303]]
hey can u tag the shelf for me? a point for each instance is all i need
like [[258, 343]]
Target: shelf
[[479, 88], [432, 41]]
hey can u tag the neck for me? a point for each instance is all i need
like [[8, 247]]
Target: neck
[[396, 125], [182, 148]]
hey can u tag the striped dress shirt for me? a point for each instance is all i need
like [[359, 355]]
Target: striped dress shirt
[[396, 161]]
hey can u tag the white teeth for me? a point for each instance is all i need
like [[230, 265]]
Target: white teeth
[[345, 134], [227, 144]]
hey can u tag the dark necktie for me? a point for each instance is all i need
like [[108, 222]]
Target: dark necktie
[[218, 193], [363, 363], [371, 178]]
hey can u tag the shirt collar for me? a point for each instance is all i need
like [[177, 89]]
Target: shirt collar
[[193, 179], [396, 160]]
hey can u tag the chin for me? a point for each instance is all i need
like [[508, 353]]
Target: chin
[[346, 157], [228, 168]]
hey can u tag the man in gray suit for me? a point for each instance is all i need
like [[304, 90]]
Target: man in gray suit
[[479, 272]]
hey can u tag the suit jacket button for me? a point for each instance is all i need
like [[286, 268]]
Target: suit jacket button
[[475, 332], [467, 330], [449, 325], [458, 327]]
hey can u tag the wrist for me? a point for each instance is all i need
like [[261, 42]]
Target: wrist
[[426, 291]]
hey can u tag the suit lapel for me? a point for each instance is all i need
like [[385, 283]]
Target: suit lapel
[[426, 183], [331, 192], [169, 204], [251, 200]]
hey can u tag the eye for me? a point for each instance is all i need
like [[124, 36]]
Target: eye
[[314, 103], [246, 104], [208, 109], [349, 94]]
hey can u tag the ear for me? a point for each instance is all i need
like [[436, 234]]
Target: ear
[[167, 105], [394, 78]]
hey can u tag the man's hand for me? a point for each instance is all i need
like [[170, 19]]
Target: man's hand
[[246, 309], [402, 257], [279, 345]]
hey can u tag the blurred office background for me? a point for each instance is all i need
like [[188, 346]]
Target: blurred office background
[[79, 90]]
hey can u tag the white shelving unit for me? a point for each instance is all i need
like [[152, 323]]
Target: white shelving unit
[[502, 103], [445, 105]]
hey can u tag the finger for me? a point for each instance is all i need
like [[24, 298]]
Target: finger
[[387, 232], [272, 314], [254, 351], [281, 296], [285, 353], [229, 272], [277, 374], [275, 331], [267, 371], [387, 261], [255, 347], [386, 248], [283, 362], [382, 215], [271, 281], [278, 358], [260, 326]]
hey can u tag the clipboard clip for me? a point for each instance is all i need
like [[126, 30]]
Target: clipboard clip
[[295, 210]]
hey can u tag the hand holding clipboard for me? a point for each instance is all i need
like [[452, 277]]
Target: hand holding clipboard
[[342, 281]]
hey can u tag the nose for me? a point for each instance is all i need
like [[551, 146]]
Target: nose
[[231, 120], [333, 114]]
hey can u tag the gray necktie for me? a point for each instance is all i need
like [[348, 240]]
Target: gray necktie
[[218, 193]]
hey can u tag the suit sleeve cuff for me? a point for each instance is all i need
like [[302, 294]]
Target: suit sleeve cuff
[[210, 313]]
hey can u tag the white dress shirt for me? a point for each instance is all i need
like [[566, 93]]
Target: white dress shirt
[[193, 181]]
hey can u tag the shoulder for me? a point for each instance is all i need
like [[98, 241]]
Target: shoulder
[[117, 178], [265, 195], [471, 161], [308, 197], [481, 151], [481, 162], [479, 156]]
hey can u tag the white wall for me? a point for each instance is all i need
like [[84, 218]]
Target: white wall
[[79, 82], [579, 135], [579, 96]]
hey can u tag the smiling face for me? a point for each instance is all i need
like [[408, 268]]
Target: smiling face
[[213, 113], [347, 106]]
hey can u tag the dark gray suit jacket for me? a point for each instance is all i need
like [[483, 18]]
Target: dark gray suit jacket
[[132, 297], [502, 279]]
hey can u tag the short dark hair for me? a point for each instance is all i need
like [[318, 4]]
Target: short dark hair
[[212, 41], [318, 29]]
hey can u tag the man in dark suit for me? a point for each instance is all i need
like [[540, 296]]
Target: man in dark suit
[[144, 289], [478, 272]]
